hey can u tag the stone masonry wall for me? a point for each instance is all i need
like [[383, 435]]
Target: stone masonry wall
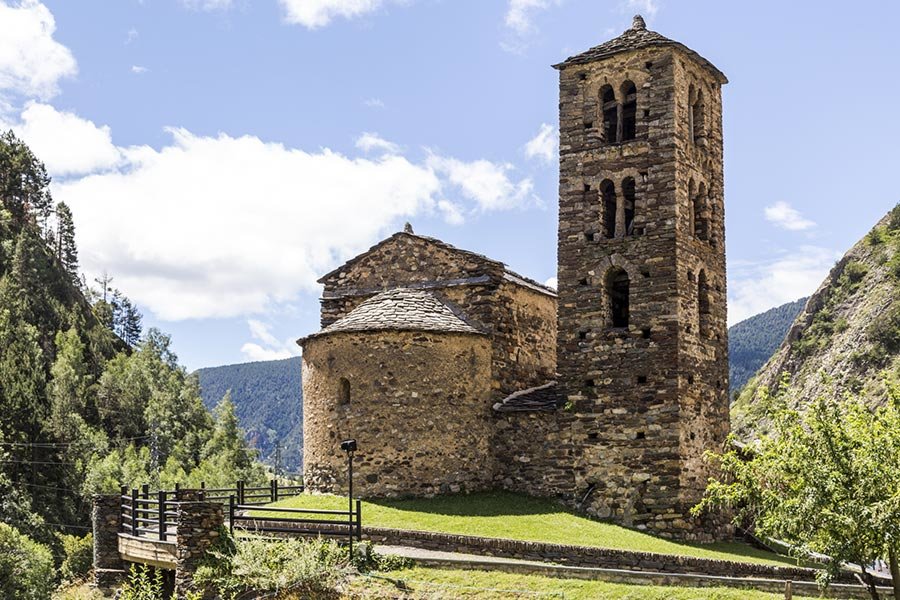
[[198, 527], [628, 386], [520, 319], [419, 409], [106, 515]]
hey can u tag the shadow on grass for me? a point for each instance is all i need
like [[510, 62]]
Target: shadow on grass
[[479, 504]]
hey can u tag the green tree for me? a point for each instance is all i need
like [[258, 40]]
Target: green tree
[[66, 250], [26, 567], [24, 183], [824, 480]]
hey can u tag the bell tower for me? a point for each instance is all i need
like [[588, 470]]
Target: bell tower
[[642, 348]]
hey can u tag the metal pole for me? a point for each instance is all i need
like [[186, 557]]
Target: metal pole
[[350, 509]]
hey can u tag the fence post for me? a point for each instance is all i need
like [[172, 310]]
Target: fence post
[[240, 492], [161, 506], [202, 491], [271, 490], [123, 492], [231, 514], [134, 523], [359, 519]]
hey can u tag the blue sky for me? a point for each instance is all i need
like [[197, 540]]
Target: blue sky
[[221, 154]]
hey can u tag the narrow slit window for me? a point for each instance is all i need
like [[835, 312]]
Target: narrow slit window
[[610, 110], [617, 289], [703, 301], [344, 391]]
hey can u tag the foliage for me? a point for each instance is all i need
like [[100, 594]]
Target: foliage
[[268, 401], [314, 568], [66, 250], [753, 341], [26, 567], [519, 517], [366, 558], [79, 555], [143, 583], [24, 183], [824, 481]]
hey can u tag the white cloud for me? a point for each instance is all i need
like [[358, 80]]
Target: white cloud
[[542, 145], [313, 14], [368, 142], [68, 144], [374, 102], [225, 226], [485, 182], [757, 287], [647, 8], [31, 61], [138, 70], [553, 282], [272, 348], [520, 14], [785, 216], [131, 35], [208, 5]]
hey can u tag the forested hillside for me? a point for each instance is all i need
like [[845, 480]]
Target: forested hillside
[[846, 341], [88, 402], [268, 400], [753, 341]]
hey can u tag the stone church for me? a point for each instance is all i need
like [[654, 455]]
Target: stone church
[[456, 374]]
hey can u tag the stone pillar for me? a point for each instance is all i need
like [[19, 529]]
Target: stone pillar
[[109, 568], [199, 526]]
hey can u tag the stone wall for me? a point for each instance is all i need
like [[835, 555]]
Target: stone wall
[[643, 396], [419, 408], [518, 316], [106, 515], [199, 525]]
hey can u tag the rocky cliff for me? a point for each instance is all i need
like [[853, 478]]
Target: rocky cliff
[[846, 340]]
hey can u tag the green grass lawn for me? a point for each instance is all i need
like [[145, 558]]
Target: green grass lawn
[[512, 516], [446, 583]]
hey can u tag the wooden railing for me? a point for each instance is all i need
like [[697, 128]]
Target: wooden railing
[[273, 492], [296, 521], [148, 515]]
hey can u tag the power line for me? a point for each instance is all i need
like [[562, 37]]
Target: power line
[[66, 444]]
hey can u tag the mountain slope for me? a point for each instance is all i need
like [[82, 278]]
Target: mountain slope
[[752, 341], [268, 401], [846, 339]]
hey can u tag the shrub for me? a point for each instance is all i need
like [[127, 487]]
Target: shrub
[[313, 568], [78, 555], [894, 221], [143, 583], [26, 567]]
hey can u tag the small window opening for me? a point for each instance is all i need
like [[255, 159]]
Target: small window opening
[[640, 435], [608, 195], [343, 391], [610, 111], [648, 65], [582, 335], [628, 195], [582, 76], [645, 333], [589, 383], [593, 436], [703, 301], [617, 289], [629, 112], [690, 276], [642, 379], [645, 273], [583, 281], [588, 124], [646, 113], [691, 379], [693, 435]]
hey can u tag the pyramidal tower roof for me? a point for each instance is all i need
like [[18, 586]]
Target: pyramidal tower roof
[[635, 38], [400, 309]]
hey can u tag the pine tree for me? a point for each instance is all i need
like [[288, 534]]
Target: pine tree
[[24, 183], [131, 323], [66, 250]]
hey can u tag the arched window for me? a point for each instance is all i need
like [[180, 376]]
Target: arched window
[[703, 301], [628, 204], [608, 198], [629, 111], [343, 391], [698, 111], [617, 292], [610, 111], [699, 208]]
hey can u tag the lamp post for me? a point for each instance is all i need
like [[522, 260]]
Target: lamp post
[[349, 446]]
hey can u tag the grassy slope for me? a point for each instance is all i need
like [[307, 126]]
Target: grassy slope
[[505, 515], [443, 583]]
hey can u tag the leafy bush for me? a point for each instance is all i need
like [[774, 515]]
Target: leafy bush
[[79, 555], [894, 221], [313, 568], [143, 583], [26, 567], [366, 559], [885, 332]]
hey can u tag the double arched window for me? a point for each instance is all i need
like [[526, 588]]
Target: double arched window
[[618, 217], [619, 118]]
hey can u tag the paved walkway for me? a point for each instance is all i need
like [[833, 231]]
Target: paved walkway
[[457, 560]]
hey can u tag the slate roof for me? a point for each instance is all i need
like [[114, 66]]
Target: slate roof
[[400, 309], [541, 398], [638, 36], [508, 274]]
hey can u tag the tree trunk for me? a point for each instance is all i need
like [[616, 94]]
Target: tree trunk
[[895, 571]]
